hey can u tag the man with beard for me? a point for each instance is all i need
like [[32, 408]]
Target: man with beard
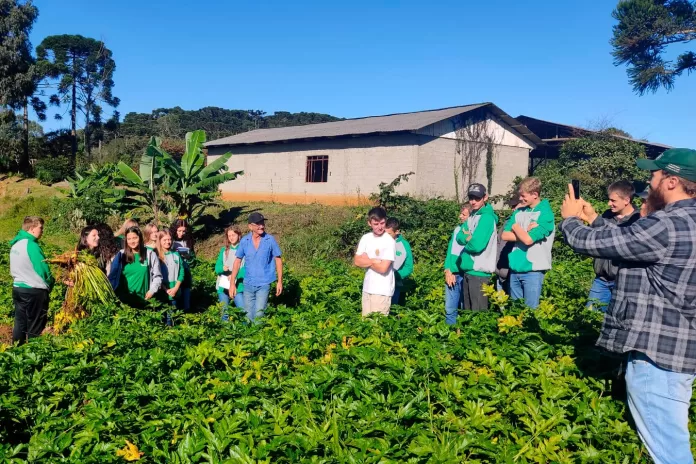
[[621, 211], [652, 316], [643, 202]]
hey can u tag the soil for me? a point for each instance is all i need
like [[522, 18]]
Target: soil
[[5, 334]]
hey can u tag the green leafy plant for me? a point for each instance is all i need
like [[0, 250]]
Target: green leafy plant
[[596, 161], [192, 185], [144, 191], [51, 170], [387, 197], [163, 185], [315, 382]]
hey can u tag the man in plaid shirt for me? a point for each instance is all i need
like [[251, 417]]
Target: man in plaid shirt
[[652, 313]]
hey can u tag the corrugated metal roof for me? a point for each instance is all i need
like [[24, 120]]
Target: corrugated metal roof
[[368, 125], [582, 130]]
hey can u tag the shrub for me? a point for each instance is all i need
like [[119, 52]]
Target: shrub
[[596, 162], [126, 149], [51, 170]]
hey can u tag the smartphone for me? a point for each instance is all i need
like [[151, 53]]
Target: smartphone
[[576, 188]]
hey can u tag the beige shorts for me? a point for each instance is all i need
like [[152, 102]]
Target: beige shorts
[[375, 304]]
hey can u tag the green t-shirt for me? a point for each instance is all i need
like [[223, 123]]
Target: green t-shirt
[[135, 281]]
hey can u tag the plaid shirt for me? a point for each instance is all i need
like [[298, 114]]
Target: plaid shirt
[[653, 306]]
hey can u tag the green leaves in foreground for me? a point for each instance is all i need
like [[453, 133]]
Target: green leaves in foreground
[[317, 383]]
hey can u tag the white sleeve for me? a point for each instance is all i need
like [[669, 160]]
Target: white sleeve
[[362, 246], [389, 251]]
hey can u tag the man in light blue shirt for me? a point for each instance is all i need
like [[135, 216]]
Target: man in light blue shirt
[[263, 264]]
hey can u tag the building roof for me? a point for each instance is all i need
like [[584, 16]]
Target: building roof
[[402, 122], [556, 133]]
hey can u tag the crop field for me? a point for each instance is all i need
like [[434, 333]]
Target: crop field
[[317, 383]]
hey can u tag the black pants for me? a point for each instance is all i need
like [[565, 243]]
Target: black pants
[[474, 299], [31, 312]]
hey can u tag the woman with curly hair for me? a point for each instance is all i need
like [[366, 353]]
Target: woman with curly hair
[[106, 248]]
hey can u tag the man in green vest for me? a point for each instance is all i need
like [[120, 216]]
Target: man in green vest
[[480, 253], [532, 229]]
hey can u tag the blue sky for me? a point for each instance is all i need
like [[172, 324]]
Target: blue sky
[[546, 59]]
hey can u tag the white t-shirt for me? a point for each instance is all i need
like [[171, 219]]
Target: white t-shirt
[[382, 247]]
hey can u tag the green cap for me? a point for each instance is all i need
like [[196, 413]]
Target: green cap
[[680, 162]]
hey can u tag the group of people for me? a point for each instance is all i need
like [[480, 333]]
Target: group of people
[[472, 258], [645, 266], [516, 257], [147, 264]]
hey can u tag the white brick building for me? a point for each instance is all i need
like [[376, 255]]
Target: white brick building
[[343, 162]]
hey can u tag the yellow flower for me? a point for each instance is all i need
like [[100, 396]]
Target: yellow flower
[[176, 437], [507, 323], [347, 342], [546, 310], [130, 452], [566, 361], [467, 365], [488, 289]]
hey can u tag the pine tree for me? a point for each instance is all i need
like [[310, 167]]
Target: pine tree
[[19, 75], [645, 29], [84, 68]]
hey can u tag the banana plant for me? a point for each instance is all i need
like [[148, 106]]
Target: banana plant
[[193, 184], [95, 178], [142, 191]]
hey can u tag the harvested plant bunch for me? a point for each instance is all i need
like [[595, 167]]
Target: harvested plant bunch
[[89, 286]]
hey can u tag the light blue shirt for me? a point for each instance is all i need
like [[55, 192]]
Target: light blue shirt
[[259, 264]]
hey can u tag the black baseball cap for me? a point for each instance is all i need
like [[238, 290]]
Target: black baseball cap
[[255, 218], [644, 194], [476, 190]]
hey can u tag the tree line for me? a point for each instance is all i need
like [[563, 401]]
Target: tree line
[[74, 75]]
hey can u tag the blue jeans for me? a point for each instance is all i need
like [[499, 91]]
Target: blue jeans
[[600, 294], [502, 284], [659, 403], [453, 300], [527, 286], [255, 300], [224, 298], [168, 315], [396, 295]]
